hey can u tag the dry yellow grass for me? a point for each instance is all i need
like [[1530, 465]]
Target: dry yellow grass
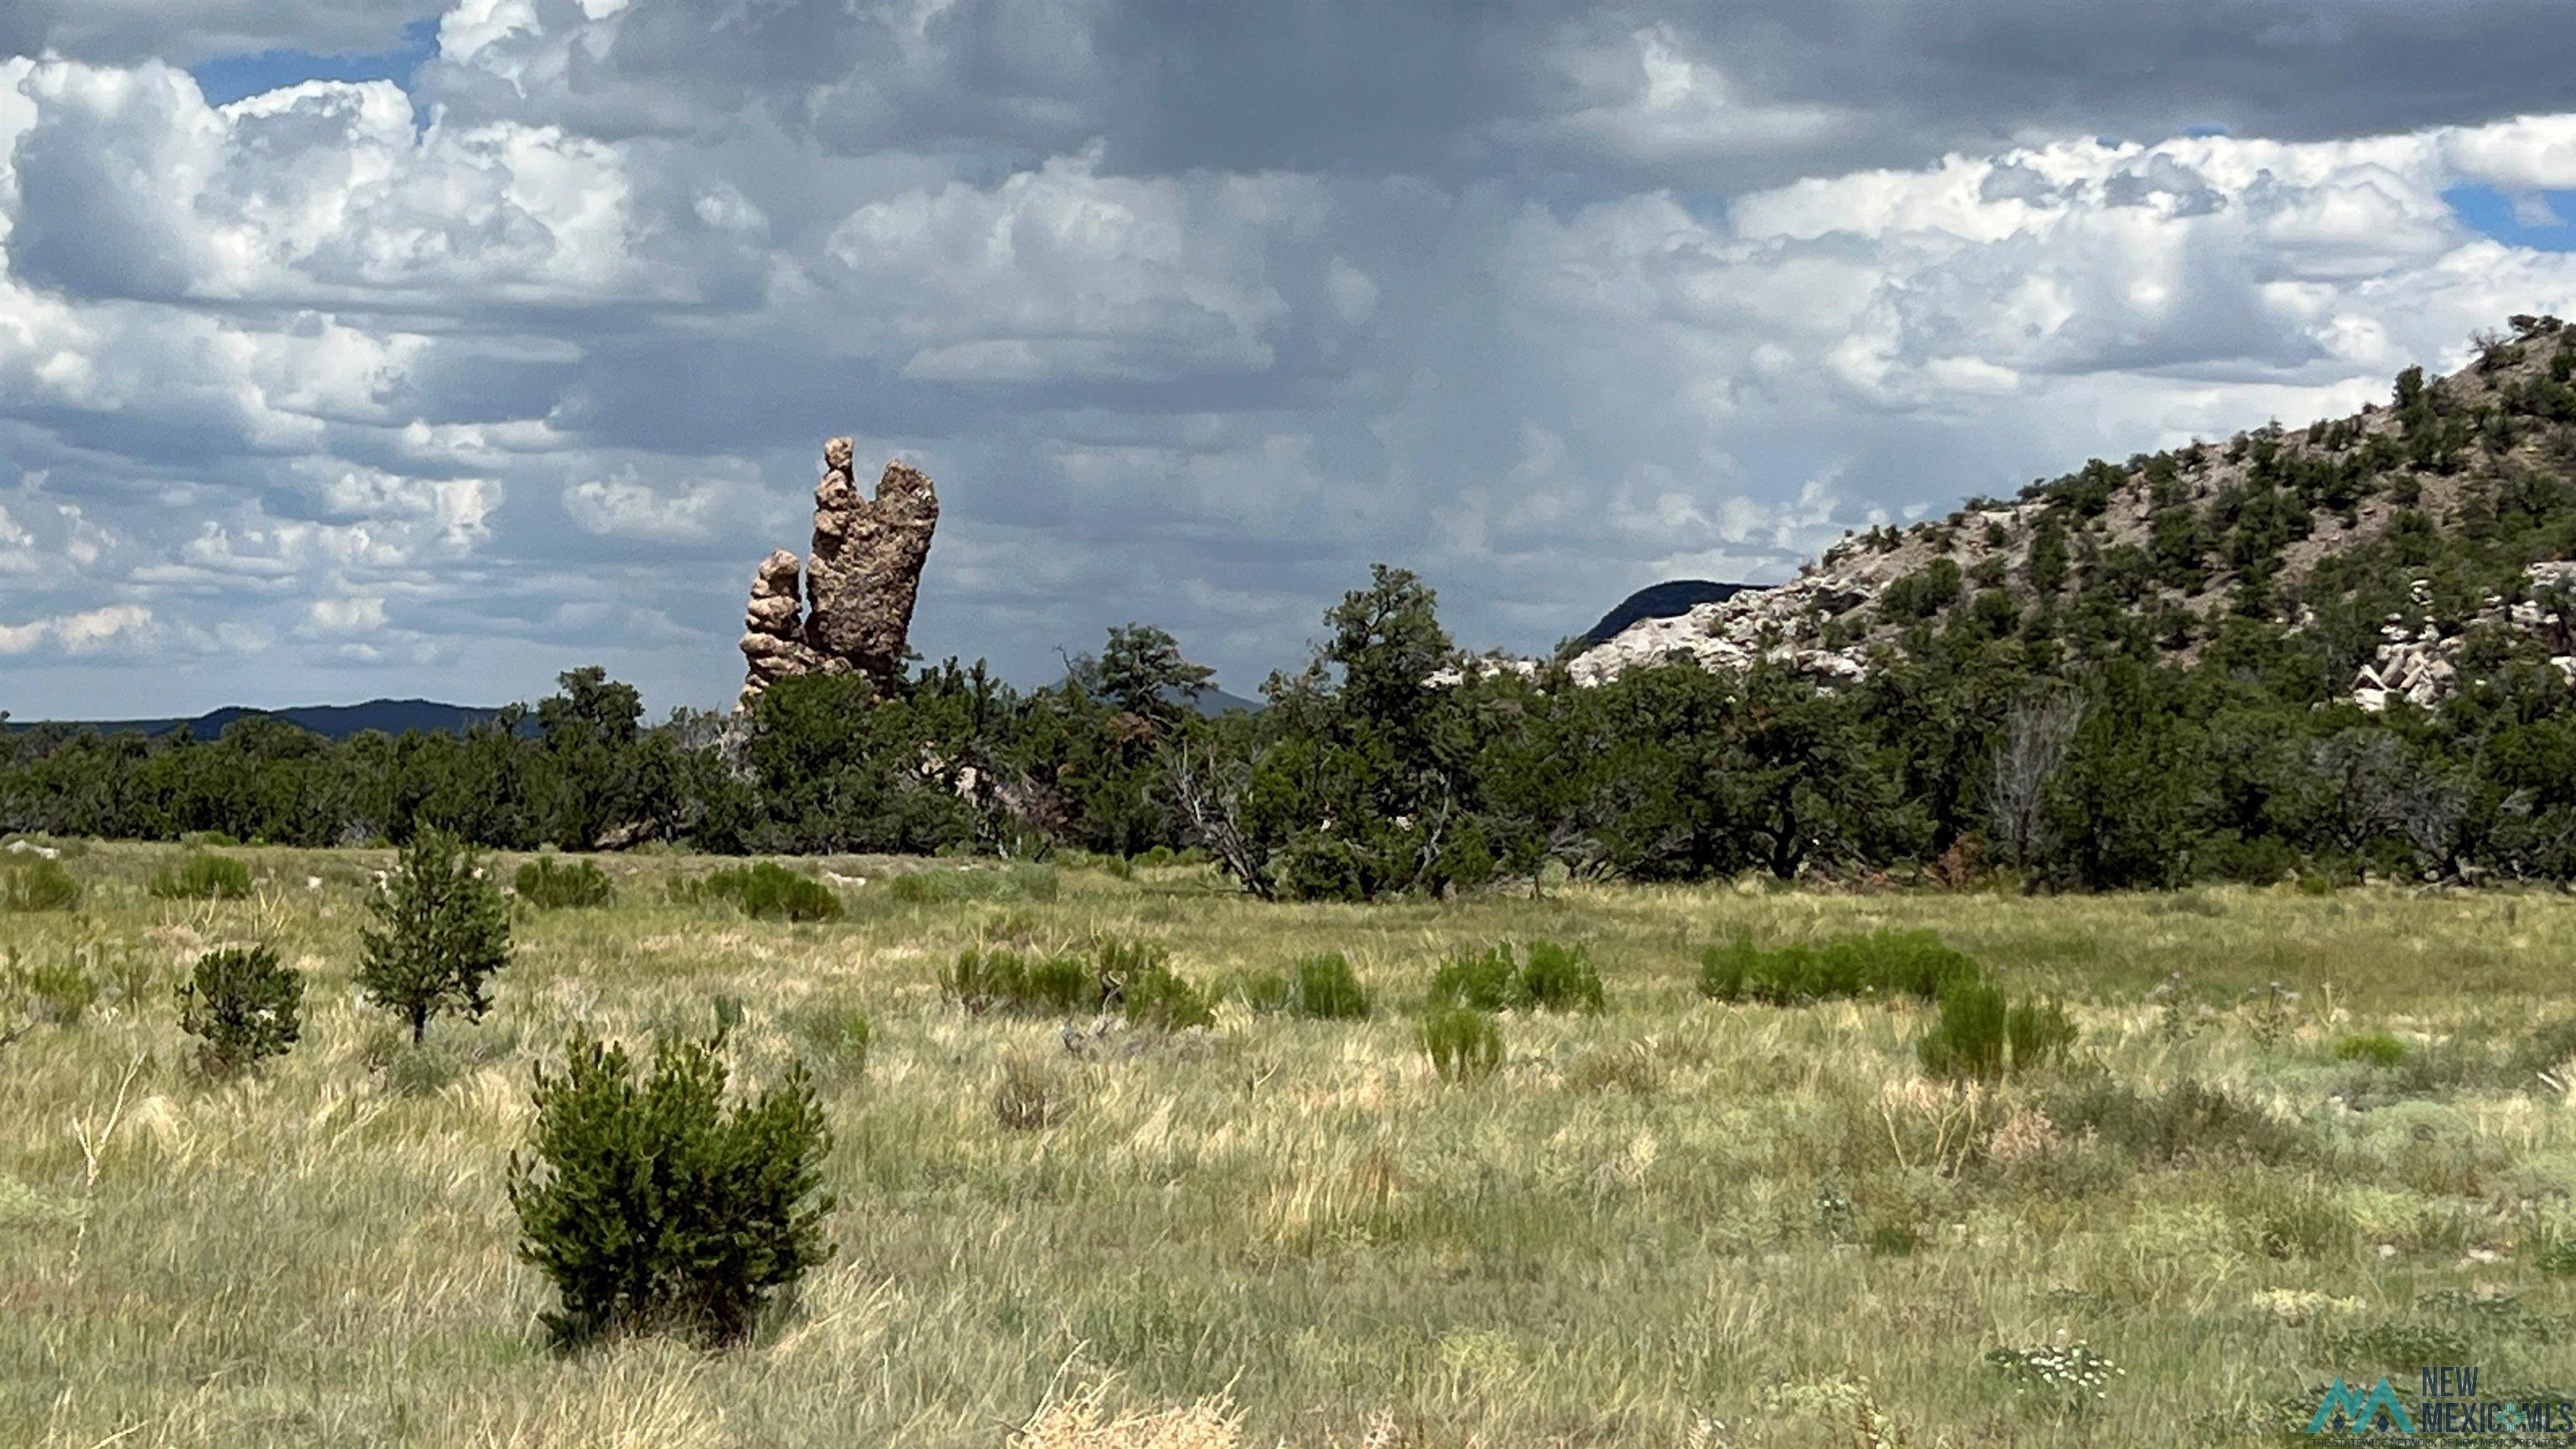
[[1673, 1223]]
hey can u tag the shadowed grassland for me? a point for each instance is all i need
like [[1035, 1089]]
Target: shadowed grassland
[[1668, 1222]]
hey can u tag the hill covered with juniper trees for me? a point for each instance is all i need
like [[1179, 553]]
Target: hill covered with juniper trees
[[2332, 651]]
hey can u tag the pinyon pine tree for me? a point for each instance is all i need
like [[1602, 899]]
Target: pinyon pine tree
[[441, 930]]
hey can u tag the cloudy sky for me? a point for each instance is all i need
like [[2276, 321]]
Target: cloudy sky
[[387, 347]]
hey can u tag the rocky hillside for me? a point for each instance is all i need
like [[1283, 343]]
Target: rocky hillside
[[2387, 543]]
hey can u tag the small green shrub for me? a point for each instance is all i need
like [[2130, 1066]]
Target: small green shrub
[[552, 885], [199, 877], [2038, 1032], [770, 891], [1479, 980], [1462, 1042], [37, 885], [1559, 978], [1886, 963], [652, 1204], [1325, 988], [2377, 1048], [242, 1005], [1138, 980], [1544, 976], [1134, 979], [441, 931], [1968, 1038], [997, 979], [1980, 1034]]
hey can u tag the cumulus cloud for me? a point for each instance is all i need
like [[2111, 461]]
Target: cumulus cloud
[[80, 633], [1192, 311]]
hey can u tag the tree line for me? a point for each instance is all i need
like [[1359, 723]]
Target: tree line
[[1953, 759]]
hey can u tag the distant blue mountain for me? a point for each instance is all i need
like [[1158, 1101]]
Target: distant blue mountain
[[331, 721], [1666, 600]]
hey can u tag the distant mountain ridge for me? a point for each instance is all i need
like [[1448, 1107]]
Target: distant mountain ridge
[[331, 721], [1667, 600]]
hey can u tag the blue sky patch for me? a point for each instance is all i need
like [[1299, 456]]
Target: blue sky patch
[[228, 78], [2542, 219]]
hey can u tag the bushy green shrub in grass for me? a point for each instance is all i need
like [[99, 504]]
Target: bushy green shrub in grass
[[1967, 1040], [1462, 1042], [242, 1005], [652, 1204], [200, 877], [37, 885], [1885, 963], [770, 891], [997, 979], [1134, 979], [1980, 1034], [1480, 980], [552, 885], [1326, 988], [1137, 979], [2377, 1048], [1543, 976]]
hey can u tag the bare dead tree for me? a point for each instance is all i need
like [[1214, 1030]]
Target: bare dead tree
[[2036, 734], [1209, 789], [2377, 787]]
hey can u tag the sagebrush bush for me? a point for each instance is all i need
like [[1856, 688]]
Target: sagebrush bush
[[37, 885], [653, 1204], [441, 930], [200, 877], [2187, 1121], [1542, 976], [1885, 963], [242, 1005], [772, 892], [1462, 1042], [553, 885]]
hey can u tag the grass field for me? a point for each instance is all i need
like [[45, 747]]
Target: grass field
[[1673, 1223]]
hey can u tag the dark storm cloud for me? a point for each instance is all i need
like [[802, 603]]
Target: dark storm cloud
[[1193, 310]]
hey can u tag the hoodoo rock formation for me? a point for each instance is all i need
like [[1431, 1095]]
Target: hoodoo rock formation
[[855, 614]]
